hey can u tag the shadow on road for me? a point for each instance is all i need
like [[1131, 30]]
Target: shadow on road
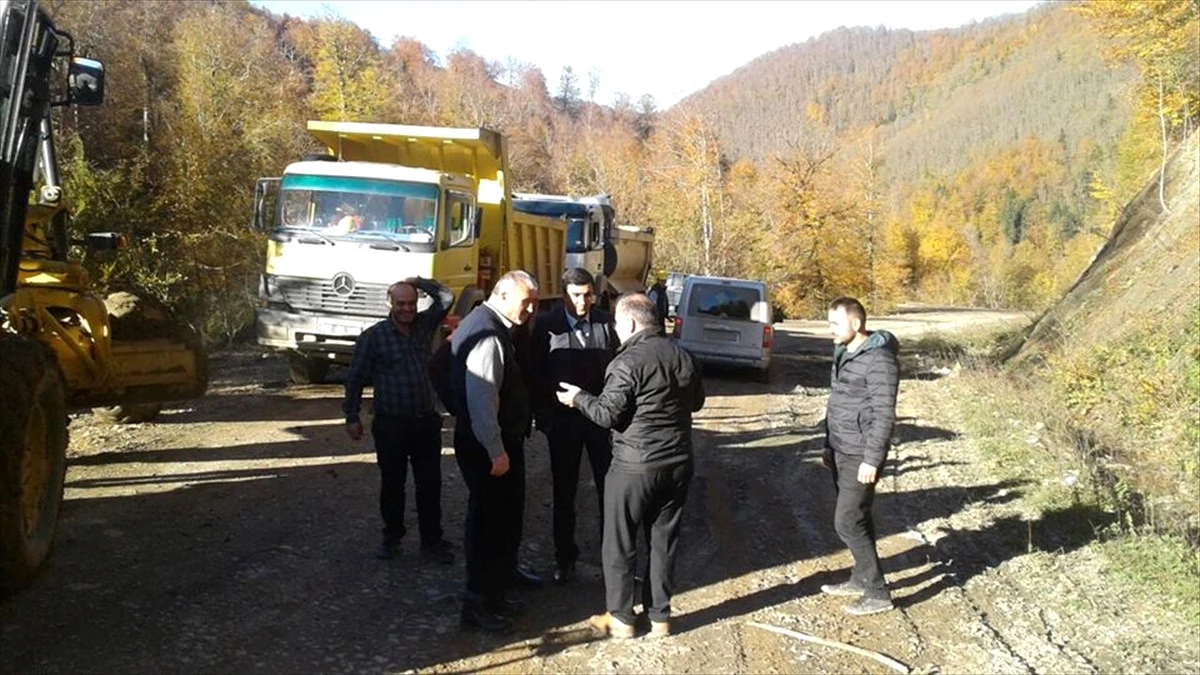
[[269, 568]]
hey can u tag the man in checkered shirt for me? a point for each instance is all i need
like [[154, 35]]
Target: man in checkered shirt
[[394, 355]]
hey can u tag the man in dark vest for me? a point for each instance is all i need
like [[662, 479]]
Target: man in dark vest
[[573, 345], [491, 402]]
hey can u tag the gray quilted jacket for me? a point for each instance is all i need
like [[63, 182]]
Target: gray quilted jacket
[[862, 399]]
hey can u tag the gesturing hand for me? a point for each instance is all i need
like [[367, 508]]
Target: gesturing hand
[[566, 394]]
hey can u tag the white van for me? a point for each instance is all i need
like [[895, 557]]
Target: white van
[[726, 322]]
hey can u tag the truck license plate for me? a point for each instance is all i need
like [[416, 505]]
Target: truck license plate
[[336, 328]]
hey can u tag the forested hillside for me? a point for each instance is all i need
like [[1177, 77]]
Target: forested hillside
[[937, 98], [982, 165]]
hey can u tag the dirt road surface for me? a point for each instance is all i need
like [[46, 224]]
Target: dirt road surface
[[236, 534]]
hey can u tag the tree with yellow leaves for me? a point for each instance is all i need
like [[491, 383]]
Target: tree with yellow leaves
[[1163, 39]]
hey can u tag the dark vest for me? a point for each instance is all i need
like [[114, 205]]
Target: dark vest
[[515, 413]]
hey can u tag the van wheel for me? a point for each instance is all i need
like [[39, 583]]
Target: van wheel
[[308, 371], [763, 376]]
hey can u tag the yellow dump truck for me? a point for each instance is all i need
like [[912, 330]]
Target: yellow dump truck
[[386, 202], [618, 256]]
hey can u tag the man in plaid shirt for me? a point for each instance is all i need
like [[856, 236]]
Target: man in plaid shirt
[[394, 356]]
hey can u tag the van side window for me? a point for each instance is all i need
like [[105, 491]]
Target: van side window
[[460, 218]]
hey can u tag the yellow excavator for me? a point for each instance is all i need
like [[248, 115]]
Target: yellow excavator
[[61, 347]]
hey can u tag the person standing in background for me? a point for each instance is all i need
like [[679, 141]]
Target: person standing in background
[[658, 295]]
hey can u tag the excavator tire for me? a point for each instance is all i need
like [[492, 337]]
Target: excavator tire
[[33, 458], [135, 317]]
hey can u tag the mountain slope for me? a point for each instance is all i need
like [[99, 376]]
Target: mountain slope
[[938, 97]]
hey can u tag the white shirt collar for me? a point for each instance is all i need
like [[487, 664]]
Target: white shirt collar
[[507, 322], [572, 321]]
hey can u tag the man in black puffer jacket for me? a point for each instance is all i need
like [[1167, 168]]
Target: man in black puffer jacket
[[651, 389], [858, 425]]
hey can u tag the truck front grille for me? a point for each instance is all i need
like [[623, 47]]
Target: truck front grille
[[318, 295]]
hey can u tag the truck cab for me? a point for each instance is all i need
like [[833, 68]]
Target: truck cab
[[618, 256], [589, 223], [387, 202]]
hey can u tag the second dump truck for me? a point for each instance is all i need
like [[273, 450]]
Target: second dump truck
[[618, 256], [388, 201]]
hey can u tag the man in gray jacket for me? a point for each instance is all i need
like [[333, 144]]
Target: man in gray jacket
[[858, 425]]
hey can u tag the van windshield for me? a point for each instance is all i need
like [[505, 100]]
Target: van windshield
[[725, 302], [360, 208]]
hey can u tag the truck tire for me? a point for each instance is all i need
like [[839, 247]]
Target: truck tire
[[33, 458], [308, 371], [134, 317], [610, 258]]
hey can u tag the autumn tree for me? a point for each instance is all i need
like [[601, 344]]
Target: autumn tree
[[347, 80], [567, 96], [1163, 39]]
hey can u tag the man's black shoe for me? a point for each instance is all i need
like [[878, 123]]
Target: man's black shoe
[[565, 574], [476, 618], [438, 553], [388, 549], [504, 606], [525, 578]]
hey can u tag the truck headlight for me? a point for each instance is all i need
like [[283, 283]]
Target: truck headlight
[[268, 288]]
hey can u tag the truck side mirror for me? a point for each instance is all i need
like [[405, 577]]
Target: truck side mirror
[[477, 225], [102, 241], [85, 82], [266, 195]]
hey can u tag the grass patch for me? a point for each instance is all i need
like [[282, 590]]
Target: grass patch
[[1165, 562], [1110, 426]]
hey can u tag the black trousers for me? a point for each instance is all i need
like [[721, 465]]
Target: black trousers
[[567, 435], [652, 502], [495, 513], [855, 525], [398, 441]]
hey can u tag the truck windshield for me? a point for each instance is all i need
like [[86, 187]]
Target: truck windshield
[[576, 235], [360, 208], [576, 216]]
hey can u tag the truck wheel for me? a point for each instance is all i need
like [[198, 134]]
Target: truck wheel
[[33, 458], [308, 371], [133, 317], [133, 413]]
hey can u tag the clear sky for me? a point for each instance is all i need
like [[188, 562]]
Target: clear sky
[[667, 49]]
